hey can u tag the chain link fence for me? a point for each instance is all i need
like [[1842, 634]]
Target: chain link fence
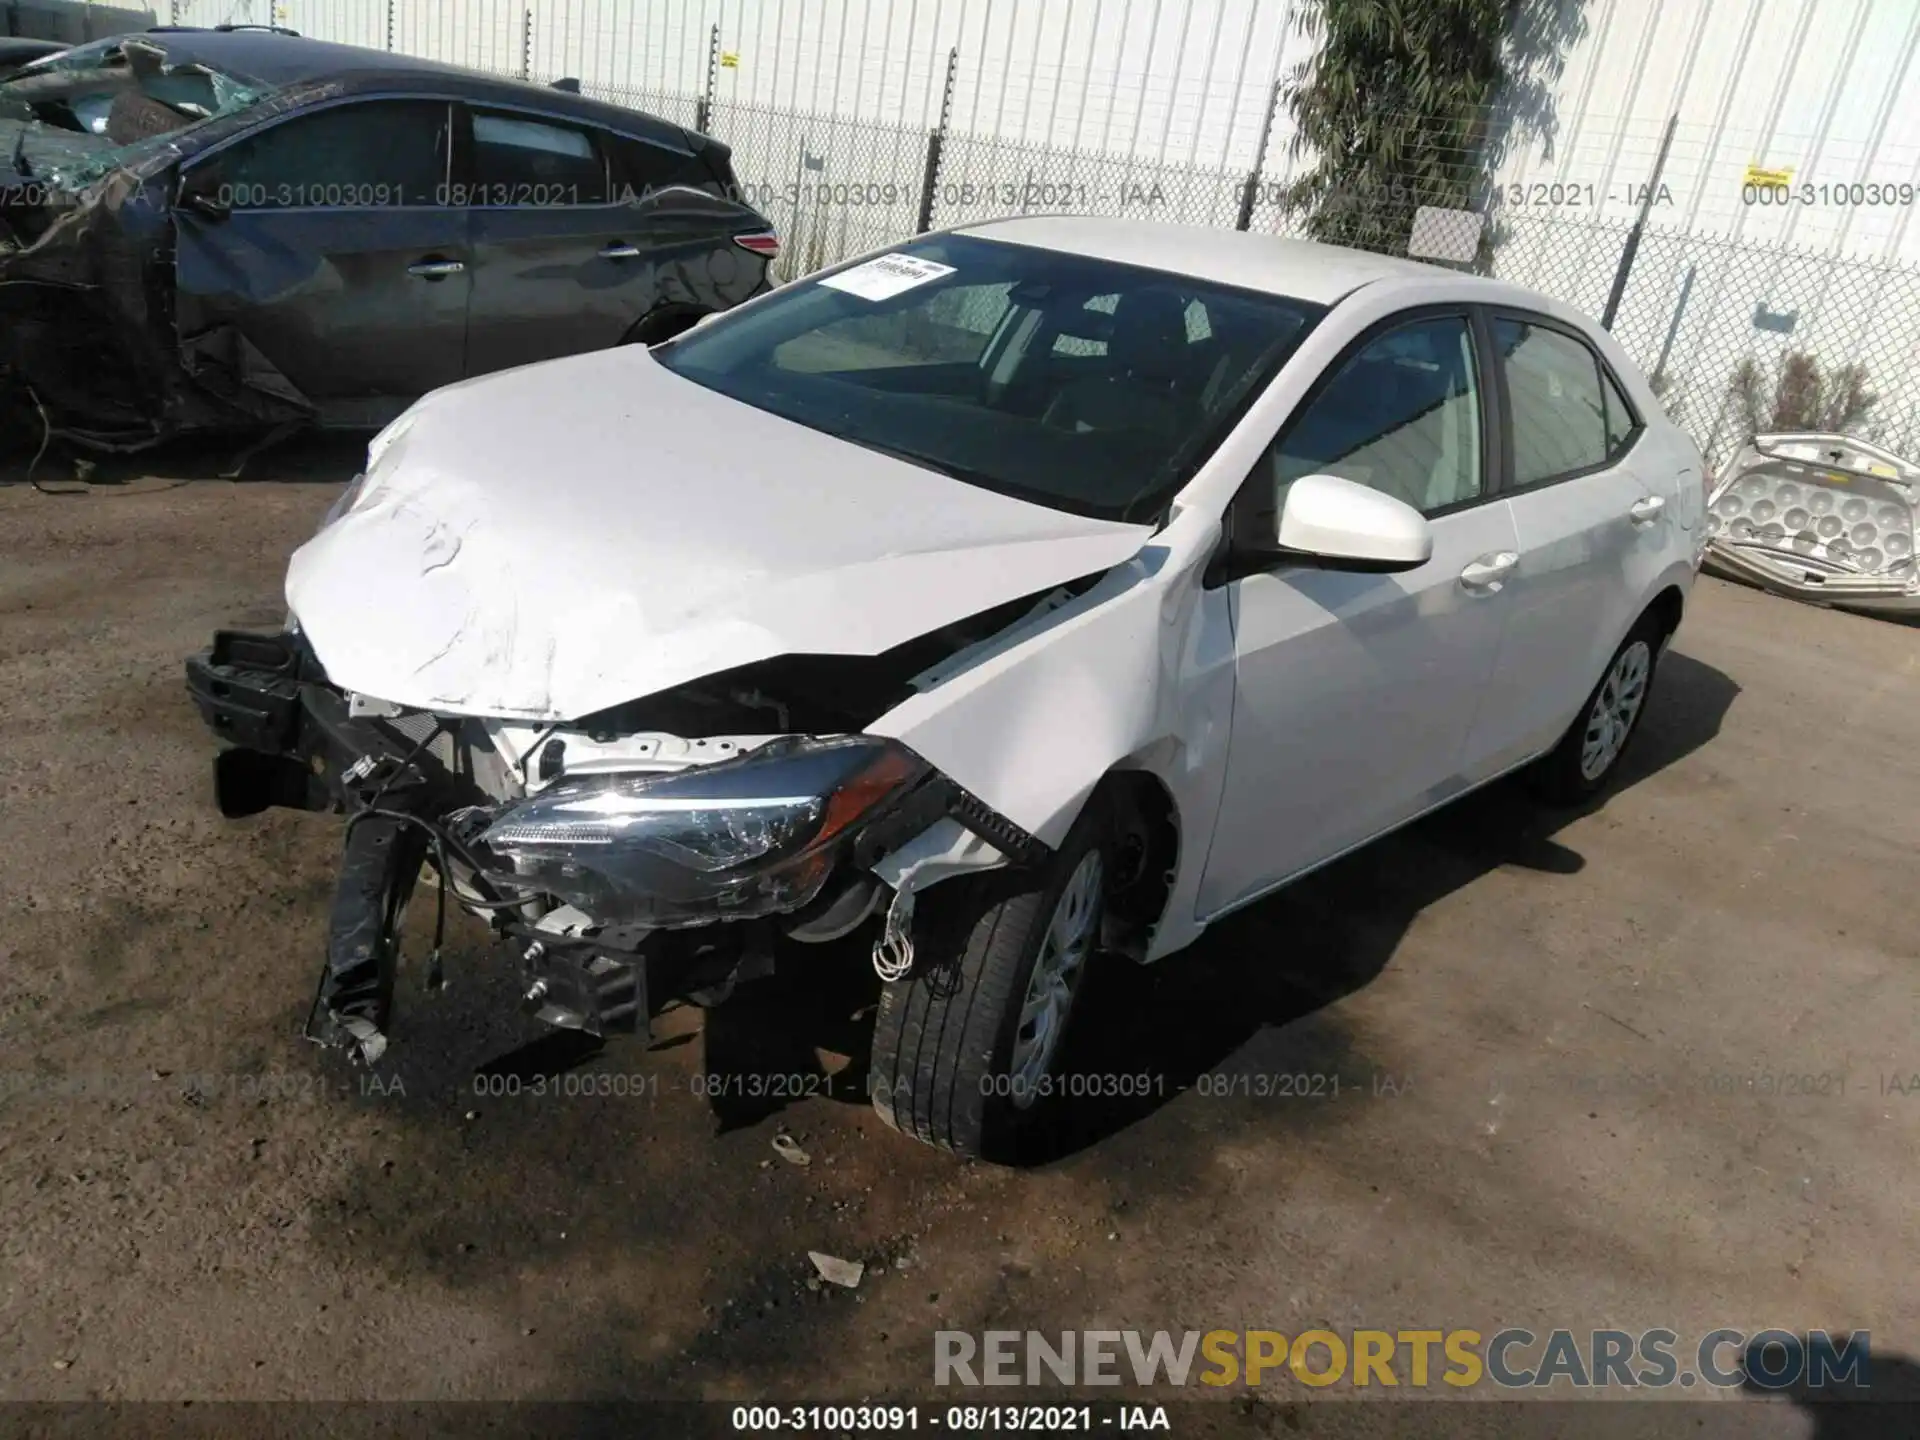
[[1739, 327]]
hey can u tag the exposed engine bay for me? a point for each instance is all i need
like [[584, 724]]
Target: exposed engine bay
[[653, 851]]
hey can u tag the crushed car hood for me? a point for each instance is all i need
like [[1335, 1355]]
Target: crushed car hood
[[551, 541], [65, 158]]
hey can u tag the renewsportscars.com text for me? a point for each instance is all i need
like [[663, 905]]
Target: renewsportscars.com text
[[1510, 1359]]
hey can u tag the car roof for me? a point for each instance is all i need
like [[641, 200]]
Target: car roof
[[1299, 269], [277, 59]]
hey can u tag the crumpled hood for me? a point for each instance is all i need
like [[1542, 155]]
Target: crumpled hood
[[65, 158], [550, 541]]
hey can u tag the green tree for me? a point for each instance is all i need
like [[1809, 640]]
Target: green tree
[[1393, 111]]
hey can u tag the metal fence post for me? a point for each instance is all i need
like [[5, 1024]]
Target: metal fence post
[[390, 4], [1673, 329], [1252, 188], [703, 108], [936, 142], [526, 44], [1632, 247]]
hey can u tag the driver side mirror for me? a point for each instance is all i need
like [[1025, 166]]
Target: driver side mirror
[[1348, 526]]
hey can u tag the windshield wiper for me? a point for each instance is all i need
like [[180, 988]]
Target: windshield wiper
[[929, 462]]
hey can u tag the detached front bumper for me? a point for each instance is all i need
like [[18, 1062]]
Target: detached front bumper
[[295, 744]]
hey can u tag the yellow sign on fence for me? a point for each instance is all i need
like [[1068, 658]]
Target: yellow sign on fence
[[1773, 179]]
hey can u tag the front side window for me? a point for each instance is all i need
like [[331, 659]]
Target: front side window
[[1559, 412], [366, 154], [1401, 415], [519, 160], [1077, 383]]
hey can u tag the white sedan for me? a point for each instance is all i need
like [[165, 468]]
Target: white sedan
[[1034, 592]]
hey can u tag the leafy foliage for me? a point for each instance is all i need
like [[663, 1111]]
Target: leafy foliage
[[1393, 109], [1802, 396]]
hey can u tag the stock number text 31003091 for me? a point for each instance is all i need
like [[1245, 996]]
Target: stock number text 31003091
[[950, 1419]]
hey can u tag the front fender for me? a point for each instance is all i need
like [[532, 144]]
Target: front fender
[[1136, 673]]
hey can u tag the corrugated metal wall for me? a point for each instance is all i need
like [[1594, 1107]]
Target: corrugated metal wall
[[1823, 91]]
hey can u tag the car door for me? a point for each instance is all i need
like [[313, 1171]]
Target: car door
[[1355, 692], [1592, 532], [324, 239], [567, 251]]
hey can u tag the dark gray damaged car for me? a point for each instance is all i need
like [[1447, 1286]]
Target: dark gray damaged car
[[205, 231]]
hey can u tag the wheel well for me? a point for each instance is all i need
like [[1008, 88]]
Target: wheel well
[[664, 321], [1147, 850], [1667, 607]]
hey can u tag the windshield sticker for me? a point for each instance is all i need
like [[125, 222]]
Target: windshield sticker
[[886, 277]]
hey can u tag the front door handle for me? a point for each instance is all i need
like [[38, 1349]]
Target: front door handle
[[1488, 573], [620, 250], [1646, 509], [433, 269]]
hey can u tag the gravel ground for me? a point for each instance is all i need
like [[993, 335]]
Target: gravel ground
[[1560, 1042]]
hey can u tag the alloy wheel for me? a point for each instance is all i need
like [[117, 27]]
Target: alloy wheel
[[1055, 980], [1615, 709]]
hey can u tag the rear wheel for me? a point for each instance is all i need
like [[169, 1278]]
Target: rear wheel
[[1589, 753], [965, 1049]]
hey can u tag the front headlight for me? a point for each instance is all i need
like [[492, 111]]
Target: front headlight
[[746, 837]]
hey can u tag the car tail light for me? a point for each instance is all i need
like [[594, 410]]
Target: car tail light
[[761, 242]]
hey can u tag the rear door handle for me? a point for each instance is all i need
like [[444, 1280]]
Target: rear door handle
[[435, 269], [1489, 572], [620, 250], [1646, 509]]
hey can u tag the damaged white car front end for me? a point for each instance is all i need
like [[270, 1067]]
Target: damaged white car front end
[[651, 715]]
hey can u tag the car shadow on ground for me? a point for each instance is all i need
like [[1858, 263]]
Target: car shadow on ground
[[1273, 964], [1855, 1406]]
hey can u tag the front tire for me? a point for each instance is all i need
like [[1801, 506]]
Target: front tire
[[965, 1048], [1581, 765]]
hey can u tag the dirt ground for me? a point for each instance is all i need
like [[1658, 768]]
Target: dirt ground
[[1562, 1044]]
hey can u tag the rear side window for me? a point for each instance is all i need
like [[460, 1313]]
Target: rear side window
[[522, 161], [640, 167], [1559, 409], [373, 153], [1621, 425]]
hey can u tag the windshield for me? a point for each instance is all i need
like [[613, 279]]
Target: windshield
[[122, 90], [1077, 383]]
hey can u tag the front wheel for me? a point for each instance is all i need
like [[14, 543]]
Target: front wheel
[[965, 1048], [1578, 767]]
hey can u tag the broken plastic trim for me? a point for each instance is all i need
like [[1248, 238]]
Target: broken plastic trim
[[301, 746]]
